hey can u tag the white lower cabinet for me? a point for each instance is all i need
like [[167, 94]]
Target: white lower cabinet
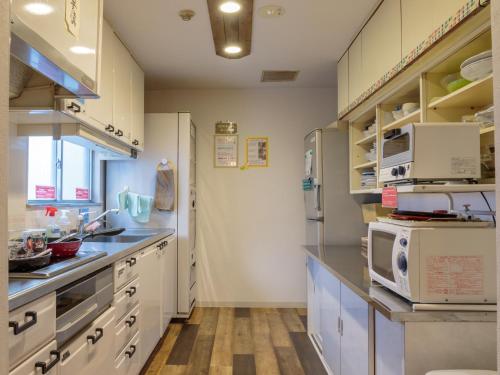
[[169, 283], [390, 346], [150, 300], [128, 361], [91, 352], [126, 329], [45, 361], [342, 321], [30, 327]]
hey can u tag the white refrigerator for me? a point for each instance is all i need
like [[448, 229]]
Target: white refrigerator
[[170, 136], [333, 216]]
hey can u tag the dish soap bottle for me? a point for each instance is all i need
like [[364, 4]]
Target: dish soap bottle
[[64, 223], [53, 230]]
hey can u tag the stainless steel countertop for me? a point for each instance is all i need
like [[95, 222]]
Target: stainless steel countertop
[[23, 291], [348, 265]]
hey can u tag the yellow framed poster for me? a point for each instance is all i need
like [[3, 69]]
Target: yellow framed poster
[[225, 151], [257, 152]]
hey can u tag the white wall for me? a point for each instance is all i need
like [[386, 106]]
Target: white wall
[[495, 22], [251, 223], [4, 139]]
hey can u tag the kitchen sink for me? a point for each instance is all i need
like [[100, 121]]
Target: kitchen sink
[[127, 238]]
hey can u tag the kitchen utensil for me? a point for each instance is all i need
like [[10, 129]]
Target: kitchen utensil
[[457, 84], [29, 263], [477, 69], [70, 247]]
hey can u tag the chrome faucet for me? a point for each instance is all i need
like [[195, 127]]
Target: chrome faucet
[[82, 226]]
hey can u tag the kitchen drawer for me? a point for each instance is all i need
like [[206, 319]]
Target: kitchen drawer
[[125, 270], [89, 352], [126, 329], [47, 357], [30, 327], [126, 298], [128, 361]]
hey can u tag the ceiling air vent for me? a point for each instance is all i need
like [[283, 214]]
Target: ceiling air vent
[[279, 75]]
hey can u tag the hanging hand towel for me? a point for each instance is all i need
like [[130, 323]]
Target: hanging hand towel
[[133, 204], [122, 200], [165, 188], [145, 206]]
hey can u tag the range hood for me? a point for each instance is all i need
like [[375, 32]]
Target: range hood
[[80, 134]]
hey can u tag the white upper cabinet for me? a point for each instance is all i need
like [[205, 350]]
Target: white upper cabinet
[[343, 83], [122, 87], [420, 18], [137, 102], [101, 110], [381, 42], [356, 78]]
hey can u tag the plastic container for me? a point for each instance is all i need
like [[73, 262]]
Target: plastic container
[[64, 222], [53, 229]]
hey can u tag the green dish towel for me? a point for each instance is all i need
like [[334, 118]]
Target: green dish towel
[[145, 206]]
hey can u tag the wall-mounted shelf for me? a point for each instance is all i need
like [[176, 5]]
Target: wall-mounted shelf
[[412, 117], [487, 130], [367, 165], [476, 94], [366, 191], [367, 140]]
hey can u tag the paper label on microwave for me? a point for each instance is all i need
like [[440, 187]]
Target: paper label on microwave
[[73, 17], [463, 166], [455, 275]]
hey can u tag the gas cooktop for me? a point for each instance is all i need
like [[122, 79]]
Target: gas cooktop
[[58, 266]]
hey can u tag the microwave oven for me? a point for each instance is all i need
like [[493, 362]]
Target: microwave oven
[[431, 152], [434, 264]]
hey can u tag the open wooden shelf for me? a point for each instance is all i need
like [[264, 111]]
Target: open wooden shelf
[[487, 130], [412, 117], [367, 140], [367, 191], [476, 94], [366, 165]]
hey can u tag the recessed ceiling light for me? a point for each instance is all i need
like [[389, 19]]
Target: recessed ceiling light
[[232, 50], [82, 50], [230, 7], [39, 8], [271, 11]]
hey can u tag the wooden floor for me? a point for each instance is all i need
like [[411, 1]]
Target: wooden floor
[[238, 341]]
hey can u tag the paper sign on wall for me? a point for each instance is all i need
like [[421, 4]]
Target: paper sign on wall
[[73, 17], [82, 193], [257, 152], [45, 192], [226, 151]]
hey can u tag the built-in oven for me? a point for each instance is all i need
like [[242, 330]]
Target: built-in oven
[[81, 302]]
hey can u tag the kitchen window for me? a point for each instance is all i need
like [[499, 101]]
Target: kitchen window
[[58, 171]]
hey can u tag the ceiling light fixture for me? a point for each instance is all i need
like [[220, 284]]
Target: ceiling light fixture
[[39, 8], [232, 50], [82, 50], [186, 14], [230, 7]]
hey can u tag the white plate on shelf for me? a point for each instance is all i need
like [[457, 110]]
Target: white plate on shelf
[[479, 56], [478, 69]]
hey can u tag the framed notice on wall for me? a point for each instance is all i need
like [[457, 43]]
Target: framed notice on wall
[[257, 152], [225, 151]]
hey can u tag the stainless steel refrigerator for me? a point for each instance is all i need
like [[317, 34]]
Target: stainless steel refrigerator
[[333, 216]]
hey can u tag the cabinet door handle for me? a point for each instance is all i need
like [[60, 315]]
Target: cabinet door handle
[[341, 327], [131, 291], [119, 133], [110, 128], [30, 323], [338, 324], [135, 142], [132, 321], [99, 333], [73, 107], [46, 367], [130, 353], [131, 262]]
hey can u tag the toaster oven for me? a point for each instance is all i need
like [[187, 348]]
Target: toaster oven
[[431, 152]]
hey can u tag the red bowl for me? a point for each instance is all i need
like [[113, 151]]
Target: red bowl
[[65, 249]]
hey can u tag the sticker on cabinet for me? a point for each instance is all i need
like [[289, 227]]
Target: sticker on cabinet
[[73, 17]]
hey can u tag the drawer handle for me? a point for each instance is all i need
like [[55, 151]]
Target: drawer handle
[[99, 333], [131, 291], [30, 323], [75, 108], [110, 128], [131, 262], [135, 142], [119, 133], [130, 353], [132, 321], [46, 367]]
